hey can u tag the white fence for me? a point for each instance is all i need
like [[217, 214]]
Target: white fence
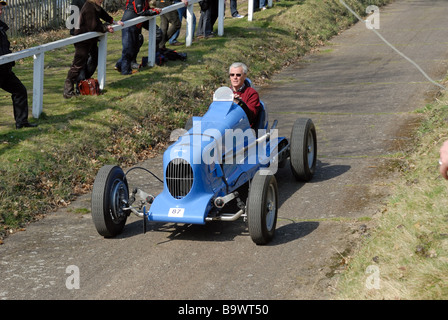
[[38, 53]]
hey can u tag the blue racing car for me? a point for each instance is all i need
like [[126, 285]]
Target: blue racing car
[[219, 168]]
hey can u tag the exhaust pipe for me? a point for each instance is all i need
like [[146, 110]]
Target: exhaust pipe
[[226, 217]]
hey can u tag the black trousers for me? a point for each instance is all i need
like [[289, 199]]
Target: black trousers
[[91, 64], [10, 83], [208, 19]]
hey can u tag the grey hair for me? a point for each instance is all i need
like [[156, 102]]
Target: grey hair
[[239, 65]]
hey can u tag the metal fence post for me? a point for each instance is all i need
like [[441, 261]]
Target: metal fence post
[[102, 57], [38, 84], [221, 18]]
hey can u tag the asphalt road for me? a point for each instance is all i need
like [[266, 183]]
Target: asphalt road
[[359, 93]]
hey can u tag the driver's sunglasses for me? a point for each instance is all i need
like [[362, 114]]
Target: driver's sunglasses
[[235, 74]]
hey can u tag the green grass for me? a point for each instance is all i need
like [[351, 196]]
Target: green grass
[[48, 166], [409, 243]]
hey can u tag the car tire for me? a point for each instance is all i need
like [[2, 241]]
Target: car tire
[[303, 153], [262, 208], [109, 195]]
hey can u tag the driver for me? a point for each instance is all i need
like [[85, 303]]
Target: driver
[[243, 92]]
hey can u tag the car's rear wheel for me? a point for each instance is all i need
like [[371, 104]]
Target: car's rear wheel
[[303, 154], [262, 207], [110, 196]]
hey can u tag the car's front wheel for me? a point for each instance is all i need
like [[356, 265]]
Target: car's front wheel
[[110, 196], [262, 207]]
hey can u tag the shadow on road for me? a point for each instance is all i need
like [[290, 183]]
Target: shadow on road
[[287, 185], [325, 171], [293, 231], [217, 231]]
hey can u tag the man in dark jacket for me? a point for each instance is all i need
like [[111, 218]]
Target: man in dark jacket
[[89, 20], [10, 83], [92, 61]]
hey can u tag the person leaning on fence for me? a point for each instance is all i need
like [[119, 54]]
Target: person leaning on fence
[[243, 92], [169, 22], [89, 20], [92, 60], [131, 37], [9, 81]]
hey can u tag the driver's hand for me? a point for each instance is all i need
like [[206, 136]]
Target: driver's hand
[[240, 102]]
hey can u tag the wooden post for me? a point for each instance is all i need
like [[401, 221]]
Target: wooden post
[[38, 84], [189, 36], [102, 57], [221, 18], [152, 42], [250, 10]]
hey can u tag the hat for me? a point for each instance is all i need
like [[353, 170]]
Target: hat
[[3, 3]]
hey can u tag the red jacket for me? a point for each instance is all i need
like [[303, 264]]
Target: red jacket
[[250, 96]]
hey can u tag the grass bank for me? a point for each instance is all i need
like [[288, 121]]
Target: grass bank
[[405, 255], [46, 167]]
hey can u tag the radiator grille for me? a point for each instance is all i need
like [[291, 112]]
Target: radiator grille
[[179, 178]]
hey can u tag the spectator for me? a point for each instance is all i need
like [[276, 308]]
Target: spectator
[[256, 5], [169, 22], [444, 160], [131, 37], [92, 60], [262, 4], [234, 11], [209, 15], [89, 20], [182, 14], [243, 92], [10, 83]]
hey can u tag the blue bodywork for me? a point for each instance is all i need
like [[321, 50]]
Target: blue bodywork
[[216, 156]]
